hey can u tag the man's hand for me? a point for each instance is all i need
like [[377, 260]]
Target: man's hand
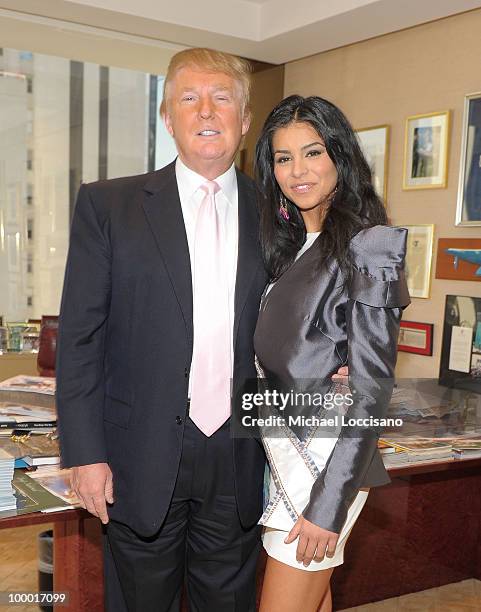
[[314, 542], [93, 485], [341, 376]]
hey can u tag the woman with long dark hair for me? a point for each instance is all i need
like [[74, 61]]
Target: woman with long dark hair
[[336, 295]]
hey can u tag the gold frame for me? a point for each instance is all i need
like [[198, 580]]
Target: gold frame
[[428, 255], [386, 153], [462, 171], [445, 142]]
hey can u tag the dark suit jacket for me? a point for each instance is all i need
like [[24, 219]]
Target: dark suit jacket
[[125, 342], [314, 321]]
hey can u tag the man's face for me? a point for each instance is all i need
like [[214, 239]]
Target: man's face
[[205, 117]]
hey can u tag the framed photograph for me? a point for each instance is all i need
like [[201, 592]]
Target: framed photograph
[[459, 259], [460, 365], [419, 254], [416, 338], [374, 143], [426, 151], [468, 210]]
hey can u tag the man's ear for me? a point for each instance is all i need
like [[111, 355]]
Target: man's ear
[[246, 121], [167, 121]]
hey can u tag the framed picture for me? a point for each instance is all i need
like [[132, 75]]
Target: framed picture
[[419, 254], [468, 210], [426, 151], [374, 143], [416, 338], [460, 365], [459, 259]]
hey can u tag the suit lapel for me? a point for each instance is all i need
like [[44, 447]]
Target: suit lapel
[[248, 259], [164, 214]]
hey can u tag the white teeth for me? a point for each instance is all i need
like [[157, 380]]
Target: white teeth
[[208, 133], [301, 187]]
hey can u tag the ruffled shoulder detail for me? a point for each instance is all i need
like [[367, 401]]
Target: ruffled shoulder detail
[[378, 274]]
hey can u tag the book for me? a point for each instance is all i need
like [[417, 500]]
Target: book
[[7, 498], [57, 481], [31, 496], [22, 416], [31, 390], [29, 384], [41, 460], [38, 448]]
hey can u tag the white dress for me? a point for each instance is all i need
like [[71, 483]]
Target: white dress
[[294, 465]]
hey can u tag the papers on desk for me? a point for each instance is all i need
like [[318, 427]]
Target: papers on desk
[[14, 415], [29, 384], [56, 481], [33, 448], [33, 497], [416, 448], [7, 497]]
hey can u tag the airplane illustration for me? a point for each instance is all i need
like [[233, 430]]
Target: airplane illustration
[[471, 255]]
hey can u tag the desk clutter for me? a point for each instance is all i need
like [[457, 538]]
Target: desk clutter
[[31, 479]]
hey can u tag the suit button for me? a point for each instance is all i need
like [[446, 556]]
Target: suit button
[[186, 372], [178, 420]]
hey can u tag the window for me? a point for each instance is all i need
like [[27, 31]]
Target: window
[[84, 121]]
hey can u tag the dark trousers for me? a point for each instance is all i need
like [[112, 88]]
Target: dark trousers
[[201, 539]]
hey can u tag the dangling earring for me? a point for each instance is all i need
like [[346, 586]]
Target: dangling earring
[[283, 208], [332, 194]]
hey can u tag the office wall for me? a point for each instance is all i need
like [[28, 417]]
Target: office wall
[[382, 81], [267, 91]]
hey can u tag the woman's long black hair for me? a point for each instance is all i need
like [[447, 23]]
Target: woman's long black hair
[[353, 206]]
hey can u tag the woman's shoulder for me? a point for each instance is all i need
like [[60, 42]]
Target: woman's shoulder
[[378, 255], [379, 245]]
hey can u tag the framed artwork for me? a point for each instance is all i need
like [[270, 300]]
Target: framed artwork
[[419, 254], [416, 338], [374, 143], [459, 259], [468, 210], [460, 365], [426, 151]]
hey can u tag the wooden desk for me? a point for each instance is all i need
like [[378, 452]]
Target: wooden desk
[[421, 531], [13, 364], [78, 568]]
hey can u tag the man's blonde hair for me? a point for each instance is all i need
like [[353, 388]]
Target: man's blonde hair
[[210, 60]]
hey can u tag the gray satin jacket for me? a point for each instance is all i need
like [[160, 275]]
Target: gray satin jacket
[[312, 322]]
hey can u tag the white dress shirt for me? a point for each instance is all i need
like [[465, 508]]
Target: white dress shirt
[[191, 195]]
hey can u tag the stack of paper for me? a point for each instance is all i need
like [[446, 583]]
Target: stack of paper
[[417, 449], [29, 384], [14, 416], [7, 497], [32, 390]]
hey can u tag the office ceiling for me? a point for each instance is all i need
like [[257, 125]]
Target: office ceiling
[[274, 31]]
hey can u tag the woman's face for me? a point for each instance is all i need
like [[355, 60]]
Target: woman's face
[[304, 171]]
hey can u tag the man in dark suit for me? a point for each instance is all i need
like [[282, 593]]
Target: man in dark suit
[[161, 296]]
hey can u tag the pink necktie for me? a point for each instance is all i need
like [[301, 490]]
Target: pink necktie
[[211, 361]]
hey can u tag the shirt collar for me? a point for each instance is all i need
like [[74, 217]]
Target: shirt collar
[[192, 181]]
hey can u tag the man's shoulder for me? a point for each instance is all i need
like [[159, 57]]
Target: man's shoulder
[[126, 186]]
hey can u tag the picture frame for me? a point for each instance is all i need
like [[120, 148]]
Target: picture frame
[[426, 146], [460, 365], [416, 338], [459, 259], [419, 255], [468, 209], [374, 143]]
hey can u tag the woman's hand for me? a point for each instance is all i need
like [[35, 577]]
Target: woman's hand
[[314, 542]]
